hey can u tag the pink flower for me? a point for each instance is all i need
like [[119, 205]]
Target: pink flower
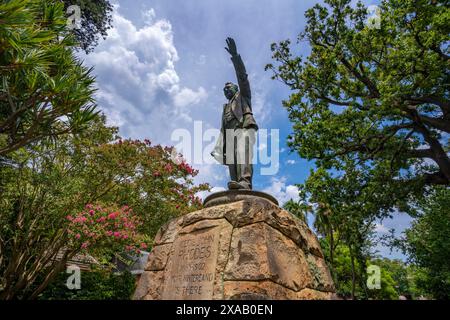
[[143, 246], [125, 236], [69, 217], [77, 236], [156, 174], [117, 234], [109, 233], [79, 219], [168, 167], [112, 216], [91, 212], [84, 245]]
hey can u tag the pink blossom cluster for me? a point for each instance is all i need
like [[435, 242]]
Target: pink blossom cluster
[[97, 225], [187, 168]]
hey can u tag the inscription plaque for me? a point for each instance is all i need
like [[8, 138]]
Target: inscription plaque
[[192, 266]]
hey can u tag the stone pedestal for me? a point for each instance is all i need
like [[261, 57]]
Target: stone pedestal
[[240, 246]]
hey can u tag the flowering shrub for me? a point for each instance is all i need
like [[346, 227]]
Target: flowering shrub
[[61, 178], [150, 180], [97, 226]]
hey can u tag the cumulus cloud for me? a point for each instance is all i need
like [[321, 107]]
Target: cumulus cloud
[[186, 97], [139, 87], [281, 191]]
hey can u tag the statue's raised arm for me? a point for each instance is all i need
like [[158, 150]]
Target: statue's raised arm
[[239, 67]]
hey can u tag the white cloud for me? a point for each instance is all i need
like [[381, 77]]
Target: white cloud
[[290, 161], [379, 228], [149, 15], [281, 191], [186, 97], [139, 87], [261, 106]]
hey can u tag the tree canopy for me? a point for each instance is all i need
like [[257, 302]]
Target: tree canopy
[[69, 184], [370, 106], [95, 22], [376, 95], [93, 193], [427, 243], [45, 90]]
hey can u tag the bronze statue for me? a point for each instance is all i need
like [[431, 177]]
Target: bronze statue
[[235, 144]]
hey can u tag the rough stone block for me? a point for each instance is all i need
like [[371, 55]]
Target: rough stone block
[[246, 249]]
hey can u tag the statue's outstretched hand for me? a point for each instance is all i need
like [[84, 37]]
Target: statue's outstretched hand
[[231, 46]]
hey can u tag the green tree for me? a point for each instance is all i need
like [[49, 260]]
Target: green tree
[[95, 21], [427, 244], [95, 285], [45, 90], [45, 189], [399, 273], [369, 105], [348, 288], [345, 207], [298, 209], [388, 287], [375, 95]]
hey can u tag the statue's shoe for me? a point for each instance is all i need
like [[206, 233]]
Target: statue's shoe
[[234, 185]]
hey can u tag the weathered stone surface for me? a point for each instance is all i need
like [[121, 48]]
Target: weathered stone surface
[[168, 232], [260, 252], [321, 274], [191, 270], [262, 210], [255, 210], [218, 212], [230, 196], [268, 290], [313, 244], [201, 225], [249, 249], [223, 252], [310, 294], [257, 290], [149, 286], [158, 257]]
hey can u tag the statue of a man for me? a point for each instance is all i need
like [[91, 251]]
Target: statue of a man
[[235, 144]]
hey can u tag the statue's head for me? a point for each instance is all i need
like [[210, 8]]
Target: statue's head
[[230, 90]]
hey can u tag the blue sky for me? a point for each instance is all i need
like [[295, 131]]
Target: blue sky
[[163, 67]]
